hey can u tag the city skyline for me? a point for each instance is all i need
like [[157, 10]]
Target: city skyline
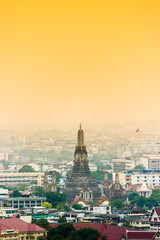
[[66, 62]]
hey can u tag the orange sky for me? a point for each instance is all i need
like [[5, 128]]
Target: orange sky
[[71, 61]]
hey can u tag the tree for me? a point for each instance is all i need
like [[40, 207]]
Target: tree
[[140, 166], [39, 192], [151, 202], [55, 198], [127, 224], [139, 201], [63, 206], [99, 175], [117, 204], [77, 206], [63, 231], [26, 168], [42, 223], [114, 223], [131, 196], [85, 233], [15, 194], [62, 219], [47, 205]]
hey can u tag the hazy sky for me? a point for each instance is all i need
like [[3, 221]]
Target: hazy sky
[[71, 61]]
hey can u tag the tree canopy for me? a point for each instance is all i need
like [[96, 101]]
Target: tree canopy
[[117, 204], [26, 168], [15, 194]]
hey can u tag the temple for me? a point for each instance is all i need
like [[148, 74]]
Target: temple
[[81, 183]]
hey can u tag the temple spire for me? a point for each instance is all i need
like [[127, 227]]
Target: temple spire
[[80, 137]]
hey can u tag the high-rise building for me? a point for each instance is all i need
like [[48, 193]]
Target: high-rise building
[[81, 183]]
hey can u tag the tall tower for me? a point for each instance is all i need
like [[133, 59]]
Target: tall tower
[[81, 173], [54, 187], [45, 185], [106, 184], [116, 190]]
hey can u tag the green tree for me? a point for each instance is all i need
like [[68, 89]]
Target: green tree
[[55, 198], [127, 224], [39, 192], [64, 230], [139, 201], [47, 205], [85, 233], [26, 168], [117, 204], [15, 194], [151, 202], [42, 223], [140, 166], [131, 196], [63, 206], [99, 175], [77, 206], [114, 223], [62, 219]]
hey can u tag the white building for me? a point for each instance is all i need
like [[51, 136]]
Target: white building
[[154, 219], [150, 178], [4, 193], [144, 190]]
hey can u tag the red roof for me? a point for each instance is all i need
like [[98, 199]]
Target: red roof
[[15, 215], [157, 209], [140, 235], [16, 223], [110, 232]]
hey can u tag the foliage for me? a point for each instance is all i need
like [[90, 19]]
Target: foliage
[[139, 201], [114, 223], [63, 206], [5, 205], [127, 224], [99, 175], [63, 231], [58, 175], [131, 196], [26, 168], [66, 231], [55, 198], [42, 223], [77, 206], [15, 194], [47, 205], [140, 166], [39, 192], [62, 219], [117, 204], [85, 233], [5, 163]]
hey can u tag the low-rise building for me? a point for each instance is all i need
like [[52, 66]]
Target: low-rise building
[[17, 229], [13, 179], [21, 202], [151, 178], [154, 219], [6, 212]]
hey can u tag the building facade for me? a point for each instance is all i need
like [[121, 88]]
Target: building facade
[[15, 179]]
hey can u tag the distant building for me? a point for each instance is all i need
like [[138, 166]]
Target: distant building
[[122, 164], [144, 190], [15, 179], [22, 202], [151, 178]]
